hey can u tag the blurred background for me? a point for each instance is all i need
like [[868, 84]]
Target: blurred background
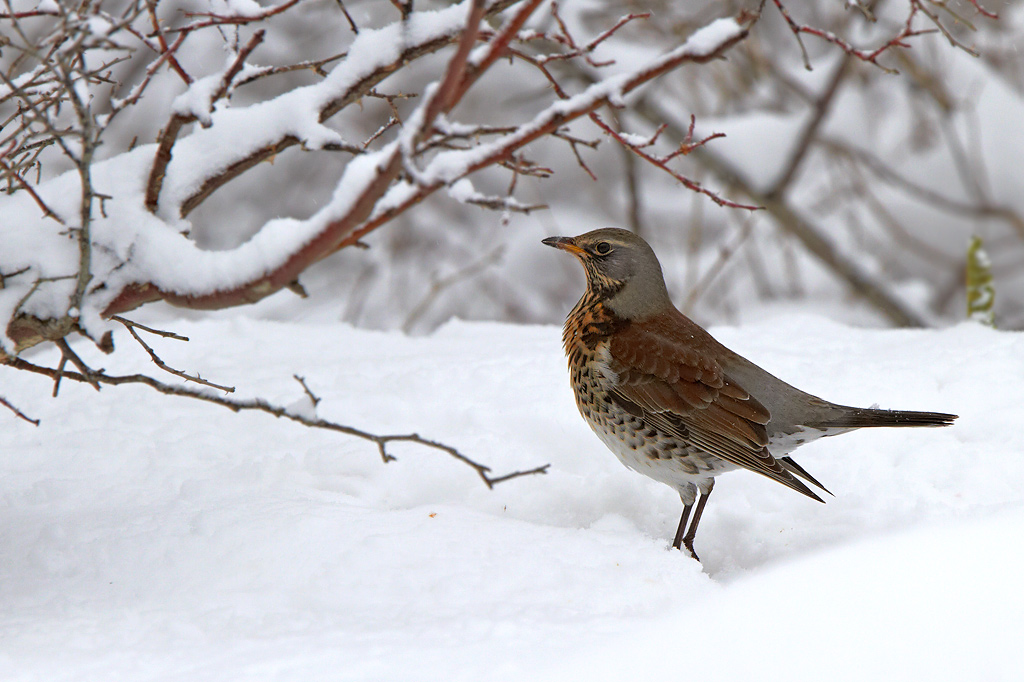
[[873, 178]]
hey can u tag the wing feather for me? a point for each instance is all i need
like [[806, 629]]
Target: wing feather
[[686, 393]]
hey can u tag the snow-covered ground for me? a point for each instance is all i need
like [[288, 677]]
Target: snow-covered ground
[[145, 537]]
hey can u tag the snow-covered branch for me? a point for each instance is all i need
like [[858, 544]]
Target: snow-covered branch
[[140, 243]]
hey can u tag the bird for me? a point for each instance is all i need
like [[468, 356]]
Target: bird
[[674, 404]]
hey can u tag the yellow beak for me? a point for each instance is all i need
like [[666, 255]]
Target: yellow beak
[[565, 244]]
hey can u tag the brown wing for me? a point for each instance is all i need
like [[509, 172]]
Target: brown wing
[[685, 392]]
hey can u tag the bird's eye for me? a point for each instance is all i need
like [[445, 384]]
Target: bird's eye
[[603, 248]]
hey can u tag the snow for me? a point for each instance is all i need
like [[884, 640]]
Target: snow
[[149, 538], [707, 39], [134, 247]]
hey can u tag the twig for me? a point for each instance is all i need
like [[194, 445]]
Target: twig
[[870, 56], [213, 19], [348, 17], [158, 332], [260, 405], [130, 326], [982, 11], [685, 147], [167, 52], [30, 14], [358, 90], [18, 413], [496, 48], [60, 373], [579, 157], [10, 275], [302, 382], [169, 135], [505, 204], [315, 65], [27, 186], [87, 374], [565, 37]]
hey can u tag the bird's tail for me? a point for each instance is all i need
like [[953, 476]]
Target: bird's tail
[[855, 418]]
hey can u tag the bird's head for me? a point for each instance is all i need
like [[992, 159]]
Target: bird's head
[[622, 270]]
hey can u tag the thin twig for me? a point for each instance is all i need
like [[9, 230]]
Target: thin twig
[[167, 52], [18, 413], [314, 65], [212, 19], [158, 332], [685, 147], [260, 405], [348, 17], [312, 397], [179, 120], [60, 373], [871, 56], [130, 326], [87, 374]]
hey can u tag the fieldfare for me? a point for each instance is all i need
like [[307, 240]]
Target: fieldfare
[[673, 403]]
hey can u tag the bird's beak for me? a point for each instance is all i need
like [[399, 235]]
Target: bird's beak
[[565, 244]]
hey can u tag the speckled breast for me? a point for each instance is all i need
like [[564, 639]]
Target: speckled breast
[[636, 444]]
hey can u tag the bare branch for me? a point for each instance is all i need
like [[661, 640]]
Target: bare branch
[[130, 326], [213, 19], [309, 394], [158, 332], [685, 147], [17, 413], [166, 52], [871, 56], [179, 120], [316, 66], [68, 354], [25, 185], [259, 405], [348, 17], [353, 94]]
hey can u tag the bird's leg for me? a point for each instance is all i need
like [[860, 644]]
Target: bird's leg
[[682, 526], [692, 532]]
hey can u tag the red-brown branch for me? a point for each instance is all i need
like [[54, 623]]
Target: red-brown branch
[[168, 52], [326, 241], [497, 46], [351, 227], [169, 136], [982, 11], [221, 19], [30, 14], [166, 56], [687, 146], [565, 37], [870, 56], [25, 185], [17, 413], [356, 91]]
